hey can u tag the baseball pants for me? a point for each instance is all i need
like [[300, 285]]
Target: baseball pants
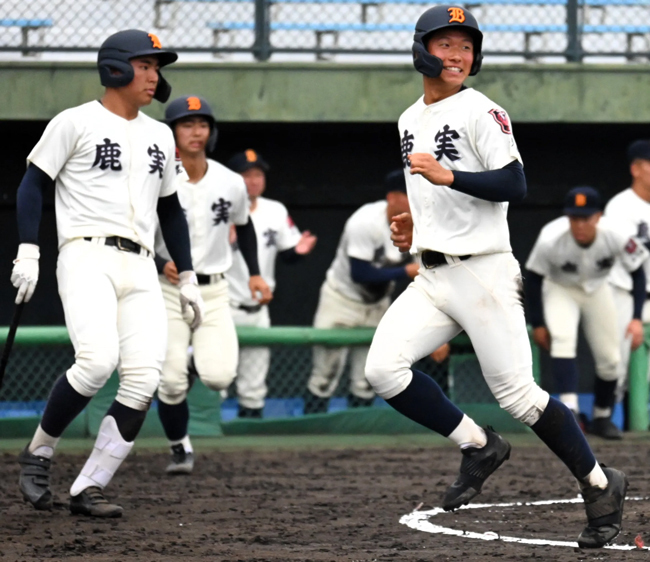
[[337, 311], [115, 316], [566, 307], [214, 343], [481, 295], [253, 361]]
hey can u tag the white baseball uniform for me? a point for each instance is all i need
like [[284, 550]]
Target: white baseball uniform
[[575, 287], [275, 233], [211, 205], [346, 304], [480, 294]]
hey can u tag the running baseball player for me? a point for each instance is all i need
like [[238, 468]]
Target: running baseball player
[[462, 168], [115, 170], [631, 209], [572, 259], [277, 235], [356, 292], [213, 198]]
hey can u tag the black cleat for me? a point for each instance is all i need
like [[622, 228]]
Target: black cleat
[[475, 468], [315, 404], [34, 480], [604, 510], [182, 462], [249, 413], [605, 428], [93, 503]]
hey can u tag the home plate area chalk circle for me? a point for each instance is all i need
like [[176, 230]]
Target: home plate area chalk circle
[[420, 521]]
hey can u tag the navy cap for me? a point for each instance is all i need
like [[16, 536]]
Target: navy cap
[[395, 181], [246, 160], [639, 149], [582, 201]]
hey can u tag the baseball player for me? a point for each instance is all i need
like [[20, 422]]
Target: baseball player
[[462, 167], [277, 235], [573, 257], [115, 170], [631, 209], [213, 198], [356, 292]]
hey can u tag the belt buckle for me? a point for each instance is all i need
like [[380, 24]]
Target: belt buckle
[[119, 244]]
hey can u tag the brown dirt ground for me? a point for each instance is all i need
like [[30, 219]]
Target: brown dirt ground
[[314, 504]]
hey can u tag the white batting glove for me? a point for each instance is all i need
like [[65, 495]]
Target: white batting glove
[[24, 275], [192, 306]]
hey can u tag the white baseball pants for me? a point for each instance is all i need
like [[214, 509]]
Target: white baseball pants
[[481, 295]]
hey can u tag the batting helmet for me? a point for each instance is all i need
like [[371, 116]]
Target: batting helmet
[[440, 17], [190, 106], [116, 52]]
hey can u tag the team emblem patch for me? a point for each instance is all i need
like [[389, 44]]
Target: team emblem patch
[[501, 117], [581, 200], [193, 103], [456, 15], [631, 246], [251, 156], [155, 42]]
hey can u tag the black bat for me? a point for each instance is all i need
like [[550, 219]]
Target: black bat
[[10, 340]]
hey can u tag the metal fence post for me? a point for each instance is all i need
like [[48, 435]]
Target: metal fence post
[[262, 45], [574, 46]]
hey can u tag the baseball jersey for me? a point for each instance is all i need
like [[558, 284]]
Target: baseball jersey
[[466, 132], [211, 205], [557, 256], [366, 236], [632, 213], [275, 233], [109, 172]]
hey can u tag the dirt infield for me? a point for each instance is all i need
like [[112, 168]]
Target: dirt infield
[[308, 504]]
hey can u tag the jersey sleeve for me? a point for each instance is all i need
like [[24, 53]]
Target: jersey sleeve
[[288, 233], [173, 172], [495, 142], [55, 145], [361, 244], [240, 205], [538, 261]]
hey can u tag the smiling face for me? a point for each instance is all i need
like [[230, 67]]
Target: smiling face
[[455, 48], [192, 134], [145, 80]]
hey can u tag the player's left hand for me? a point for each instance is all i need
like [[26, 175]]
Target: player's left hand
[[428, 167], [192, 306], [306, 243], [635, 332], [440, 354], [258, 286], [24, 275]]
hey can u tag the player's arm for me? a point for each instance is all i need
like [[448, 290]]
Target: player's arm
[[635, 327], [303, 248], [247, 241], [536, 309], [364, 272]]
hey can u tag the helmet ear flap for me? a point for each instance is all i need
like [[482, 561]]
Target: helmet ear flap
[[424, 61], [163, 89], [110, 80], [212, 139], [476, 65]]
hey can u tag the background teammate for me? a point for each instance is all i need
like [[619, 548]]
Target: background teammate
[[573, 257], [356, 292], [114, 169], [462, 168], [213, 199], [277, 235]]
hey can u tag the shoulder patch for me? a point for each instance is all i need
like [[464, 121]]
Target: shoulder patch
[[631, 246], [501, 117]]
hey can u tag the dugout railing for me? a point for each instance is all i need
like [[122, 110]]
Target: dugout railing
[[41, 354]]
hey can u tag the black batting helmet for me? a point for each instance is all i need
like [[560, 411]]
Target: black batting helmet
[[191, 106], [440, 17], [116, 52]]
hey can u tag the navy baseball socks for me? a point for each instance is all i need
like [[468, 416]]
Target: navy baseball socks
[[175, 419], [483, 451], [604, 400]]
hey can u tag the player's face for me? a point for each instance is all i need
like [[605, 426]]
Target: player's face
[[192, 134], [145, 80], [583, 229], [640, 170], [398, 203], [255, 180], [456, 50]]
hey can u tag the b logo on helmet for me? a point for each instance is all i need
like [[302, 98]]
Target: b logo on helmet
[[581, 199], [193, 103], [251, 156], [155, 42], [456, 15]]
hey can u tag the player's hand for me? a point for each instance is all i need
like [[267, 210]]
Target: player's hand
[[306, 243], [542, 337], [440, 354], [260, 291], [192, 306], [412, 269], [24, 275], [428, 167], [171, 272], [401, 231], [635, 332]]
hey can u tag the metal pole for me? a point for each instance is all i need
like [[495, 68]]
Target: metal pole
[[574, 47], [262, 45]]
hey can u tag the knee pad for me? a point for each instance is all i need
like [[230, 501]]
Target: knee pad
[[137, 388], [526, 402], [92, 369], [387, 379]]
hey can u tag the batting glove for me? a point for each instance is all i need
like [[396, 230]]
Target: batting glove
[[24, 275], [192, 306]]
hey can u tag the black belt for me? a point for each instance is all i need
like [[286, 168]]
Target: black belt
[[250, 309], [431, 259], [207, 279], [123, 244]]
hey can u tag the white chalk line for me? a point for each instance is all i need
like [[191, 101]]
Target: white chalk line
[[419, 520]]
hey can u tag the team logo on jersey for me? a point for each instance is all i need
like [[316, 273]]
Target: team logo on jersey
[[155, 42], [501, 117], [456, 15], [178, 162], [193, 103], [157, 163], [631, 246], [271, 237], [569, 267], [445, 144], [605, 263], [107, 155], [221, 210], [406, 148]]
